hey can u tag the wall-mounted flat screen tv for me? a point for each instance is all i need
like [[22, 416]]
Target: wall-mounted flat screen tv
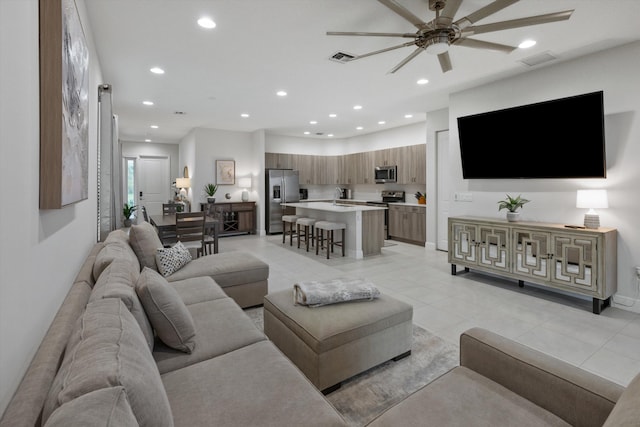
[[561, 138]]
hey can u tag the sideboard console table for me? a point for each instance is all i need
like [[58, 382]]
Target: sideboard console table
[[235, 217], [580, 261]]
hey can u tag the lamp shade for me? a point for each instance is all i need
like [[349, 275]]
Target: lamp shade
[[244, 182], [592, 199], [183, 182]]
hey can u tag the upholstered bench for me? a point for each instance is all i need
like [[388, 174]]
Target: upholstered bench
[[335, 342]]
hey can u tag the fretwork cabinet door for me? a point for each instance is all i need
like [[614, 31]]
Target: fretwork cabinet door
[[493, 247], [462, 242], [575, 261], [531, 253]]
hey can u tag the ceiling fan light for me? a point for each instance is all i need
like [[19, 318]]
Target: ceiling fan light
[[437, 44]]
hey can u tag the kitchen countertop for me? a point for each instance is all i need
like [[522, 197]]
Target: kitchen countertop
[[409, 204], [330, 207]]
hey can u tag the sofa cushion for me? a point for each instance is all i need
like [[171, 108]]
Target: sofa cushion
[[627, 411], [227, 269], [107, 349], [117, 281], [245, 388], [106, 407], [198, 289], [144, 240], [116, 249], [166, 311], [463, 397], [170, 260], [222, 327], [118, 235]]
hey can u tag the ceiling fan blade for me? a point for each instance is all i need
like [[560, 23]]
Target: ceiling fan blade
[[448, 12], [355, 33], [483, 12], [480, 44], [406, 14], [364, 55], [445, 62], [517, 23], [405, 60]]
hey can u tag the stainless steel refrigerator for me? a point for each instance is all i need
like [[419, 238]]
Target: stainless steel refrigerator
[[282, 186]]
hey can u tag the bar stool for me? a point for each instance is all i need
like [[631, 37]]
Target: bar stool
[[307, 234], [291, 220], [330, 227]]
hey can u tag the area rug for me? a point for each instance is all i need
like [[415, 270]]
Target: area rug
[[365, 396]]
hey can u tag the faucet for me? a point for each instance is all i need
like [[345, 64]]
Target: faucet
[[337, 194]]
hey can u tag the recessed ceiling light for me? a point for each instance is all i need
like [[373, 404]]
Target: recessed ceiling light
[[313, 122], [359, 128], [147, 102], [333, 115], [422, 81], [408, 116], [527, 44], [206, 22], [329, 134], [245, 115], [381, 122], [357, 107], [157, 70], [281, 93], [154, 126], [147, 140], [307, 133]]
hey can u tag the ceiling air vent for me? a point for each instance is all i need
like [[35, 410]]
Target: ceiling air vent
[[538, 59], [341, 57]]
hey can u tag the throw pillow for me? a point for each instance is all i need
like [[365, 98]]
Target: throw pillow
[[170, 260], [106, 407], [167, 313], [107, 349], [144, 240]]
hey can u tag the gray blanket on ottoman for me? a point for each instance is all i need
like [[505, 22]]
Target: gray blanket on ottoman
[[319, 293]]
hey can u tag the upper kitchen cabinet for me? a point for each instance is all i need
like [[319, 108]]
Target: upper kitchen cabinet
[[412, 164], [279, 161], [386, 157], [304, 164]]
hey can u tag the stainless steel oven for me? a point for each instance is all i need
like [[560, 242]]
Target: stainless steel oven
[[388, 196]]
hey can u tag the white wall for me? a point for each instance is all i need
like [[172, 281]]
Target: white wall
[[40, 251], [616, 72]]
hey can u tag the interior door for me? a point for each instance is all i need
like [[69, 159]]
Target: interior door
[[442, 188], [154, 183]]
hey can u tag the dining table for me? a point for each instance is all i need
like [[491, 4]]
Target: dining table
[[167, 222]]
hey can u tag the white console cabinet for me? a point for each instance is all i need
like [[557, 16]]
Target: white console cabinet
[[582, 261]]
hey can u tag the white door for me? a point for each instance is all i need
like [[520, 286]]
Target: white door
[[442, 188], [154, 185]]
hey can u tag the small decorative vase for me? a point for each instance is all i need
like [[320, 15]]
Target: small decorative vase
[[127, 222], [211, 199], [513, 216]]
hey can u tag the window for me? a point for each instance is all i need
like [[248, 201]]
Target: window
[[130, 181]]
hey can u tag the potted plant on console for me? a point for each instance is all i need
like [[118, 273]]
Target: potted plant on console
[[512, 204], [127, 212], [210, 191]]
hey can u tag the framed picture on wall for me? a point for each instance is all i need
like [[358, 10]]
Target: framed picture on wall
[[225, 172]]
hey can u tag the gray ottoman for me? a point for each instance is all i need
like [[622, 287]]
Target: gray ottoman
[[335, 342]]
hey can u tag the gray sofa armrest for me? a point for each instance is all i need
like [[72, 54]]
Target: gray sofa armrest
[[575, 395]]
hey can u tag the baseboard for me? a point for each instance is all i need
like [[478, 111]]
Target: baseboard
[[626, 303]]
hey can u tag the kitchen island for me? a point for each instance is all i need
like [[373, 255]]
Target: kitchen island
[[365, 224]]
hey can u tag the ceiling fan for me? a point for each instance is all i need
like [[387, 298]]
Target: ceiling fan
[[437, 35]]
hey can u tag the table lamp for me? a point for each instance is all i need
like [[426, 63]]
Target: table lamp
[[245, 183], [183, 183], [592, 199]]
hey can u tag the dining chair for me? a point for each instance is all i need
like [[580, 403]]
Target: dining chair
[[190, 231], [169, 208]]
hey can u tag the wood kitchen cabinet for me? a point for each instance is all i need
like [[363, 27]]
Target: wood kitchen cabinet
[[412, 164], [279, 161], [407, 223], [582, 261]]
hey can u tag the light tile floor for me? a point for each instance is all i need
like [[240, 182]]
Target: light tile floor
[[607, 344]]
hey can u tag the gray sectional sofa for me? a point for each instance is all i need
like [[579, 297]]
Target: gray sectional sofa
[[130, 348]]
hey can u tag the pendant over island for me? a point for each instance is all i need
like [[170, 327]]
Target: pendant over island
[[365, 224]]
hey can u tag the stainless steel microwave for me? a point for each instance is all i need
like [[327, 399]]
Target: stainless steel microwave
[[385, 174]]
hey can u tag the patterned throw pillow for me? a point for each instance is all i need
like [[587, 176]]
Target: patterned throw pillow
[[170, 260]]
